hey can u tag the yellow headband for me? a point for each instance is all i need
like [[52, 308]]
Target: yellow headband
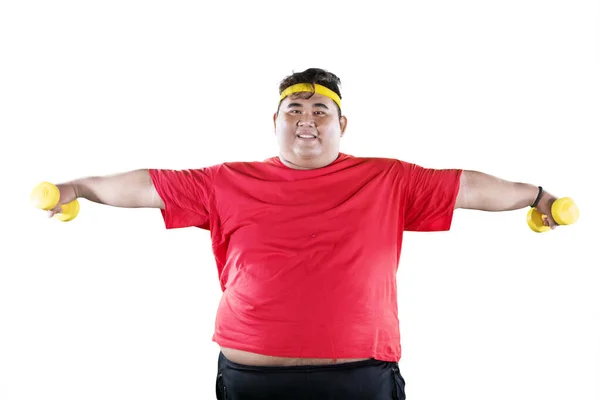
[[307, 87]]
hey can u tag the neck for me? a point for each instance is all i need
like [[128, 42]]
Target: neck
[[308, 164]]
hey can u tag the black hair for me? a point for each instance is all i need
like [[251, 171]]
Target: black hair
[[312, 76]]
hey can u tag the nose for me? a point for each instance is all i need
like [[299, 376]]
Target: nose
[[306, 119]]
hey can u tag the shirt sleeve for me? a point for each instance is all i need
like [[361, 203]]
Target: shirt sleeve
[[430, 198], [186, 194]]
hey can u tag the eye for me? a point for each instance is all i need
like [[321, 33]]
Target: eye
[[320, 112], [294, 111]]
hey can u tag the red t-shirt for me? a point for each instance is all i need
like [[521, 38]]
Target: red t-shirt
[[307, 259]]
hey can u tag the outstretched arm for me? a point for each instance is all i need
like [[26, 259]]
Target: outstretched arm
[[480, 191], [131, 189]]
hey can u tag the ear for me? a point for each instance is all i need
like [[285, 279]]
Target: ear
[[275, 123], [343, 124]]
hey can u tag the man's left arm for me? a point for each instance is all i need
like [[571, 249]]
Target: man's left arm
[[480, 191]]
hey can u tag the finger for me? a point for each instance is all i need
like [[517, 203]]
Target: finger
[[54, 211]]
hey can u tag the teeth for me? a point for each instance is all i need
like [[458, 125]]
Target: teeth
[[306, 136]]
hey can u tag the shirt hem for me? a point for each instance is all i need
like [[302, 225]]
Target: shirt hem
[[245, 347]]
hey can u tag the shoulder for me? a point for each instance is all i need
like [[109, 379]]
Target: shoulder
[[384, 163], [241, 169]]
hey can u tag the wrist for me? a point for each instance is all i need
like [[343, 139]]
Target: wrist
[[538, 197], [80, 188]]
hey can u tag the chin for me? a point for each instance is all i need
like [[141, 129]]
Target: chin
[[307, 153]]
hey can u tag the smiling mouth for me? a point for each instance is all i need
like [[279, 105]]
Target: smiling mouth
[[306, 136]]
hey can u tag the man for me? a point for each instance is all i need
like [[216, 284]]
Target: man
[[307, 246]]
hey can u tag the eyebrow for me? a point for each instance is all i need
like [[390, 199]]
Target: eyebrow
[[318, 105]]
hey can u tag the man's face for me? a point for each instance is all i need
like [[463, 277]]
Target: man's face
[[308, 131]]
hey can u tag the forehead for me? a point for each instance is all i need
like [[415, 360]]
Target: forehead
[[300, 98]]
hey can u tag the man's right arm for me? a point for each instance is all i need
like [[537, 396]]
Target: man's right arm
[[132, 189]]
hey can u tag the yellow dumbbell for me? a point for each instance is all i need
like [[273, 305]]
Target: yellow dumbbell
[[564, 212], [46, 196]]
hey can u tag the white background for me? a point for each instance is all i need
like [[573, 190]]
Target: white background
[[114, 306]]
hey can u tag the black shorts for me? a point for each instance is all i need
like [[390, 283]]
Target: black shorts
[[368, 380]]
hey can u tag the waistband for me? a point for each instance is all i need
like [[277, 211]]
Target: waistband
[[295, 368]]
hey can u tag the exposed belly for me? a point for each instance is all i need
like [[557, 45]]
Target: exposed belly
[[248, 358]]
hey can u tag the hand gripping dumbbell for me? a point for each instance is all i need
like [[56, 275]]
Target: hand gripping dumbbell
[[46, 196], [564, 212]]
